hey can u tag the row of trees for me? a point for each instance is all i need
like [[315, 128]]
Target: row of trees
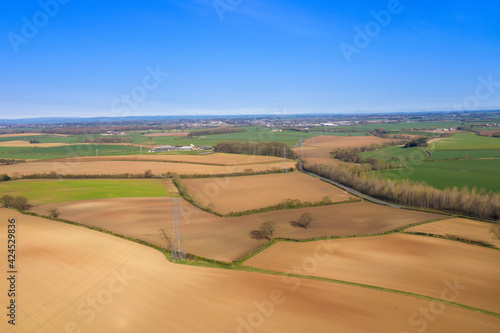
[[34, 141], [255, 148], [217, 130], [470, 202]]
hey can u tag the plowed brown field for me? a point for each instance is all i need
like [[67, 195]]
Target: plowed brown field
[[251, 192], [469, 229], [228, 239], [411, 263], [319, 152]]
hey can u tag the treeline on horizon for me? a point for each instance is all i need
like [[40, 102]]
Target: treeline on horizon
[[255, 148], [217, 130], [477, 203]]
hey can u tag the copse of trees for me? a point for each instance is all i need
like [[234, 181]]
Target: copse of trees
[[217, 130], [255, 148], [469, 202], [19, 202], [34, 141], [418, 142]]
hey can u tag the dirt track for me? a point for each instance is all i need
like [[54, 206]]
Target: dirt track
[[135, 289], [411, 263]]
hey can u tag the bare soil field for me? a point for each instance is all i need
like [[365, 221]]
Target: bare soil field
[[227, 239], [74, 279], [215, 158], [328, 141], [168, 134], [489, 132], [252, 192], [319, 152], [463, 228], [19, 143], [132, 167], [411, 263]]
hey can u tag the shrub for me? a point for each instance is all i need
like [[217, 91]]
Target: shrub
[[54, 212]]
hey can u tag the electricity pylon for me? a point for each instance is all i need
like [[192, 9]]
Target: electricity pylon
[[176, 219]]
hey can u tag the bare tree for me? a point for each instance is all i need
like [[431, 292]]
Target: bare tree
[[305, 220], [266, 231], [54, 212]]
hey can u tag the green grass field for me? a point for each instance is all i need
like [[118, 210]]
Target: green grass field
[[441, 174], [465, 141], [41, 192], [464, 154], [397, 153], [33, 153]]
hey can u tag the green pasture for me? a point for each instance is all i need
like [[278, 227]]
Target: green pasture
[[465, 141], [41, 192], [481, 173], [35, 153]]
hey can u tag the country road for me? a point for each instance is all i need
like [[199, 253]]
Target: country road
[[350, 190]]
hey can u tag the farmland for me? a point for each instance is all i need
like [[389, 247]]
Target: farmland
[[462, 228], [212, 159], [41, 192], [362, 266], [226, 195], [131, 167], [34, 153], [416, 264], [465, 141], [446, 174], [227, 239], [72, 264]]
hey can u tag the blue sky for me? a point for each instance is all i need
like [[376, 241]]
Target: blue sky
[[108, 58]]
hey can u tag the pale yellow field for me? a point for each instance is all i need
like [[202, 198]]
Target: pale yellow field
[[19, 143], [252, 192], [132, 167], [215, 158], [78, 280], [411, 263], [464, 228]]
